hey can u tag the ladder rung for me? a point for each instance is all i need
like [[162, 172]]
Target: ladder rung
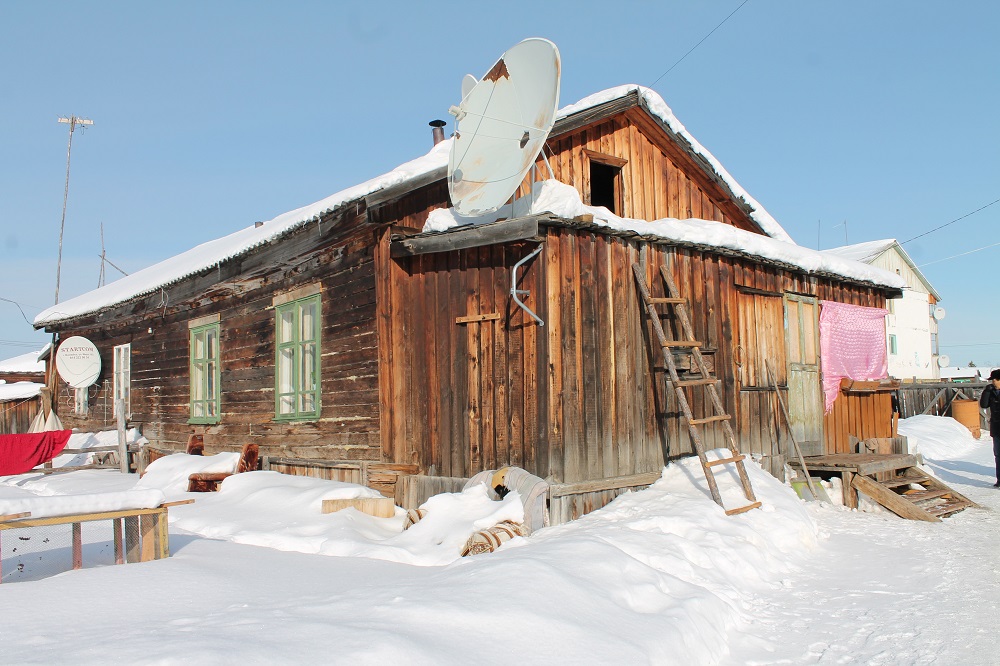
[[681, 343], [665, 301], [710, 419], [742, 509], [695, 382], [723, 461]]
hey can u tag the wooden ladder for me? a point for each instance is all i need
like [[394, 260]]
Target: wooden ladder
[[704, 379]]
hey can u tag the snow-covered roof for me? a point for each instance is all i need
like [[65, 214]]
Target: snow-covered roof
[[19, 391], [24, 363], [563, 201], [959, 372], [865, 252], [870, 251], [210, 254]]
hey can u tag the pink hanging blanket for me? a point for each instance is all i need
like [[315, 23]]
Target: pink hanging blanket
[[19, 453], [852, 345]]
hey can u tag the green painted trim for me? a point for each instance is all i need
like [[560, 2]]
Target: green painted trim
[[216, 397], [295, 344]]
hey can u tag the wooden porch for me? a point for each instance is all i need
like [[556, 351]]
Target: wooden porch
[[892, 480]]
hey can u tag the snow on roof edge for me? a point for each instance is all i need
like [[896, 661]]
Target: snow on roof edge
[[212, 253], [870, 250]]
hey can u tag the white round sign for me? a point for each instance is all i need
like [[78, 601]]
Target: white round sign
[[78, 361]]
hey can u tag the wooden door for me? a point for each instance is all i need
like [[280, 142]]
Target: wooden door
[[805, 390], [760, 344]]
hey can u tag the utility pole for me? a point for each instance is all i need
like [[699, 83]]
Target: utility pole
[[72, 121]]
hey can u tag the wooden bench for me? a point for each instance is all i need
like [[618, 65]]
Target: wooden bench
[[140, 535], [208, 482]]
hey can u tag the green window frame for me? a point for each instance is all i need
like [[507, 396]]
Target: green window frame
[[297, 359], [206, 374]]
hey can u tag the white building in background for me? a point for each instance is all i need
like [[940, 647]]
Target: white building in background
[[912, 323]]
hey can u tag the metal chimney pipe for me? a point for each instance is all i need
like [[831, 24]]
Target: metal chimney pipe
[[438, 131]]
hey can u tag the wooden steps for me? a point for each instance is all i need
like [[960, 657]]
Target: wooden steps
[[932, 502], [700, 377]]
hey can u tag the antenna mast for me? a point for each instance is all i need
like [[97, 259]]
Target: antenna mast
[[72, 121]]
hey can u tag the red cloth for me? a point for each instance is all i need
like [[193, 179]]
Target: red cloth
[[20, 453]]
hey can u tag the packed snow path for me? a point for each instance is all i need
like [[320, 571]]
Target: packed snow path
[[888, 591]]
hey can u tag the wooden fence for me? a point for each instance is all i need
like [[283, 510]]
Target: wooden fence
[[16, 415], [936, 398]]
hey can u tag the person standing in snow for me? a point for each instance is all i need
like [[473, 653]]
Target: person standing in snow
[[991, 398]]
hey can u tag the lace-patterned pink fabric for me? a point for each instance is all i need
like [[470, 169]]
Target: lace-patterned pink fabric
[[852, 345]]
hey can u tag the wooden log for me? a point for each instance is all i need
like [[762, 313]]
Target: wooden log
[[380, 507], [147, 537], [77, 546], [131, 539], [122, 442], [116, 525]]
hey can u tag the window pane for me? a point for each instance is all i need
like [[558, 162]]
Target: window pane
[[286, 405], [307, 368], [308, 321], [286, 325], [198, 382], [210, 344], [198, 344], [285, 359]]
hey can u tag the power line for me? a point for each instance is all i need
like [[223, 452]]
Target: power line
[[698, 44], [18, 306], [973, 344], [956, 256], [18, 343], [952, 222]]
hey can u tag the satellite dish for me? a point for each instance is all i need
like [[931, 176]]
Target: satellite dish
[[468, 83], [78, 361], [501, 125], [943, 361], [939, 313]]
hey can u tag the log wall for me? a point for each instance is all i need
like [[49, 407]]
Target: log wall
[[581, 397], [337, 254]]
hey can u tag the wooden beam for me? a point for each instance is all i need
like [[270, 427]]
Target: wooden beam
[[76, 518], [613, 483], [380, 507], [472, 319], [462, 238], [890, 500]]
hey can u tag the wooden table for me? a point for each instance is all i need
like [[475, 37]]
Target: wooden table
[[140, 535]]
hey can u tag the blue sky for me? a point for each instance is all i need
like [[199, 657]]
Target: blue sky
[[210, 116]]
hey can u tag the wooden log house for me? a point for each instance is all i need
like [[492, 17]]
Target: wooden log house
[[350, 345]]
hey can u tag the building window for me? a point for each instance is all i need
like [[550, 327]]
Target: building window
[[892, 344], [605, 180], [297, 371], [890, 305], [205, 373], [123, 378]]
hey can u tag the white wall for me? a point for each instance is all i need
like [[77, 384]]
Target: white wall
[[911, 322]]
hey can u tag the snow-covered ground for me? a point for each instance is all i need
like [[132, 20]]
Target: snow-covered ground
[[259, 575]]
